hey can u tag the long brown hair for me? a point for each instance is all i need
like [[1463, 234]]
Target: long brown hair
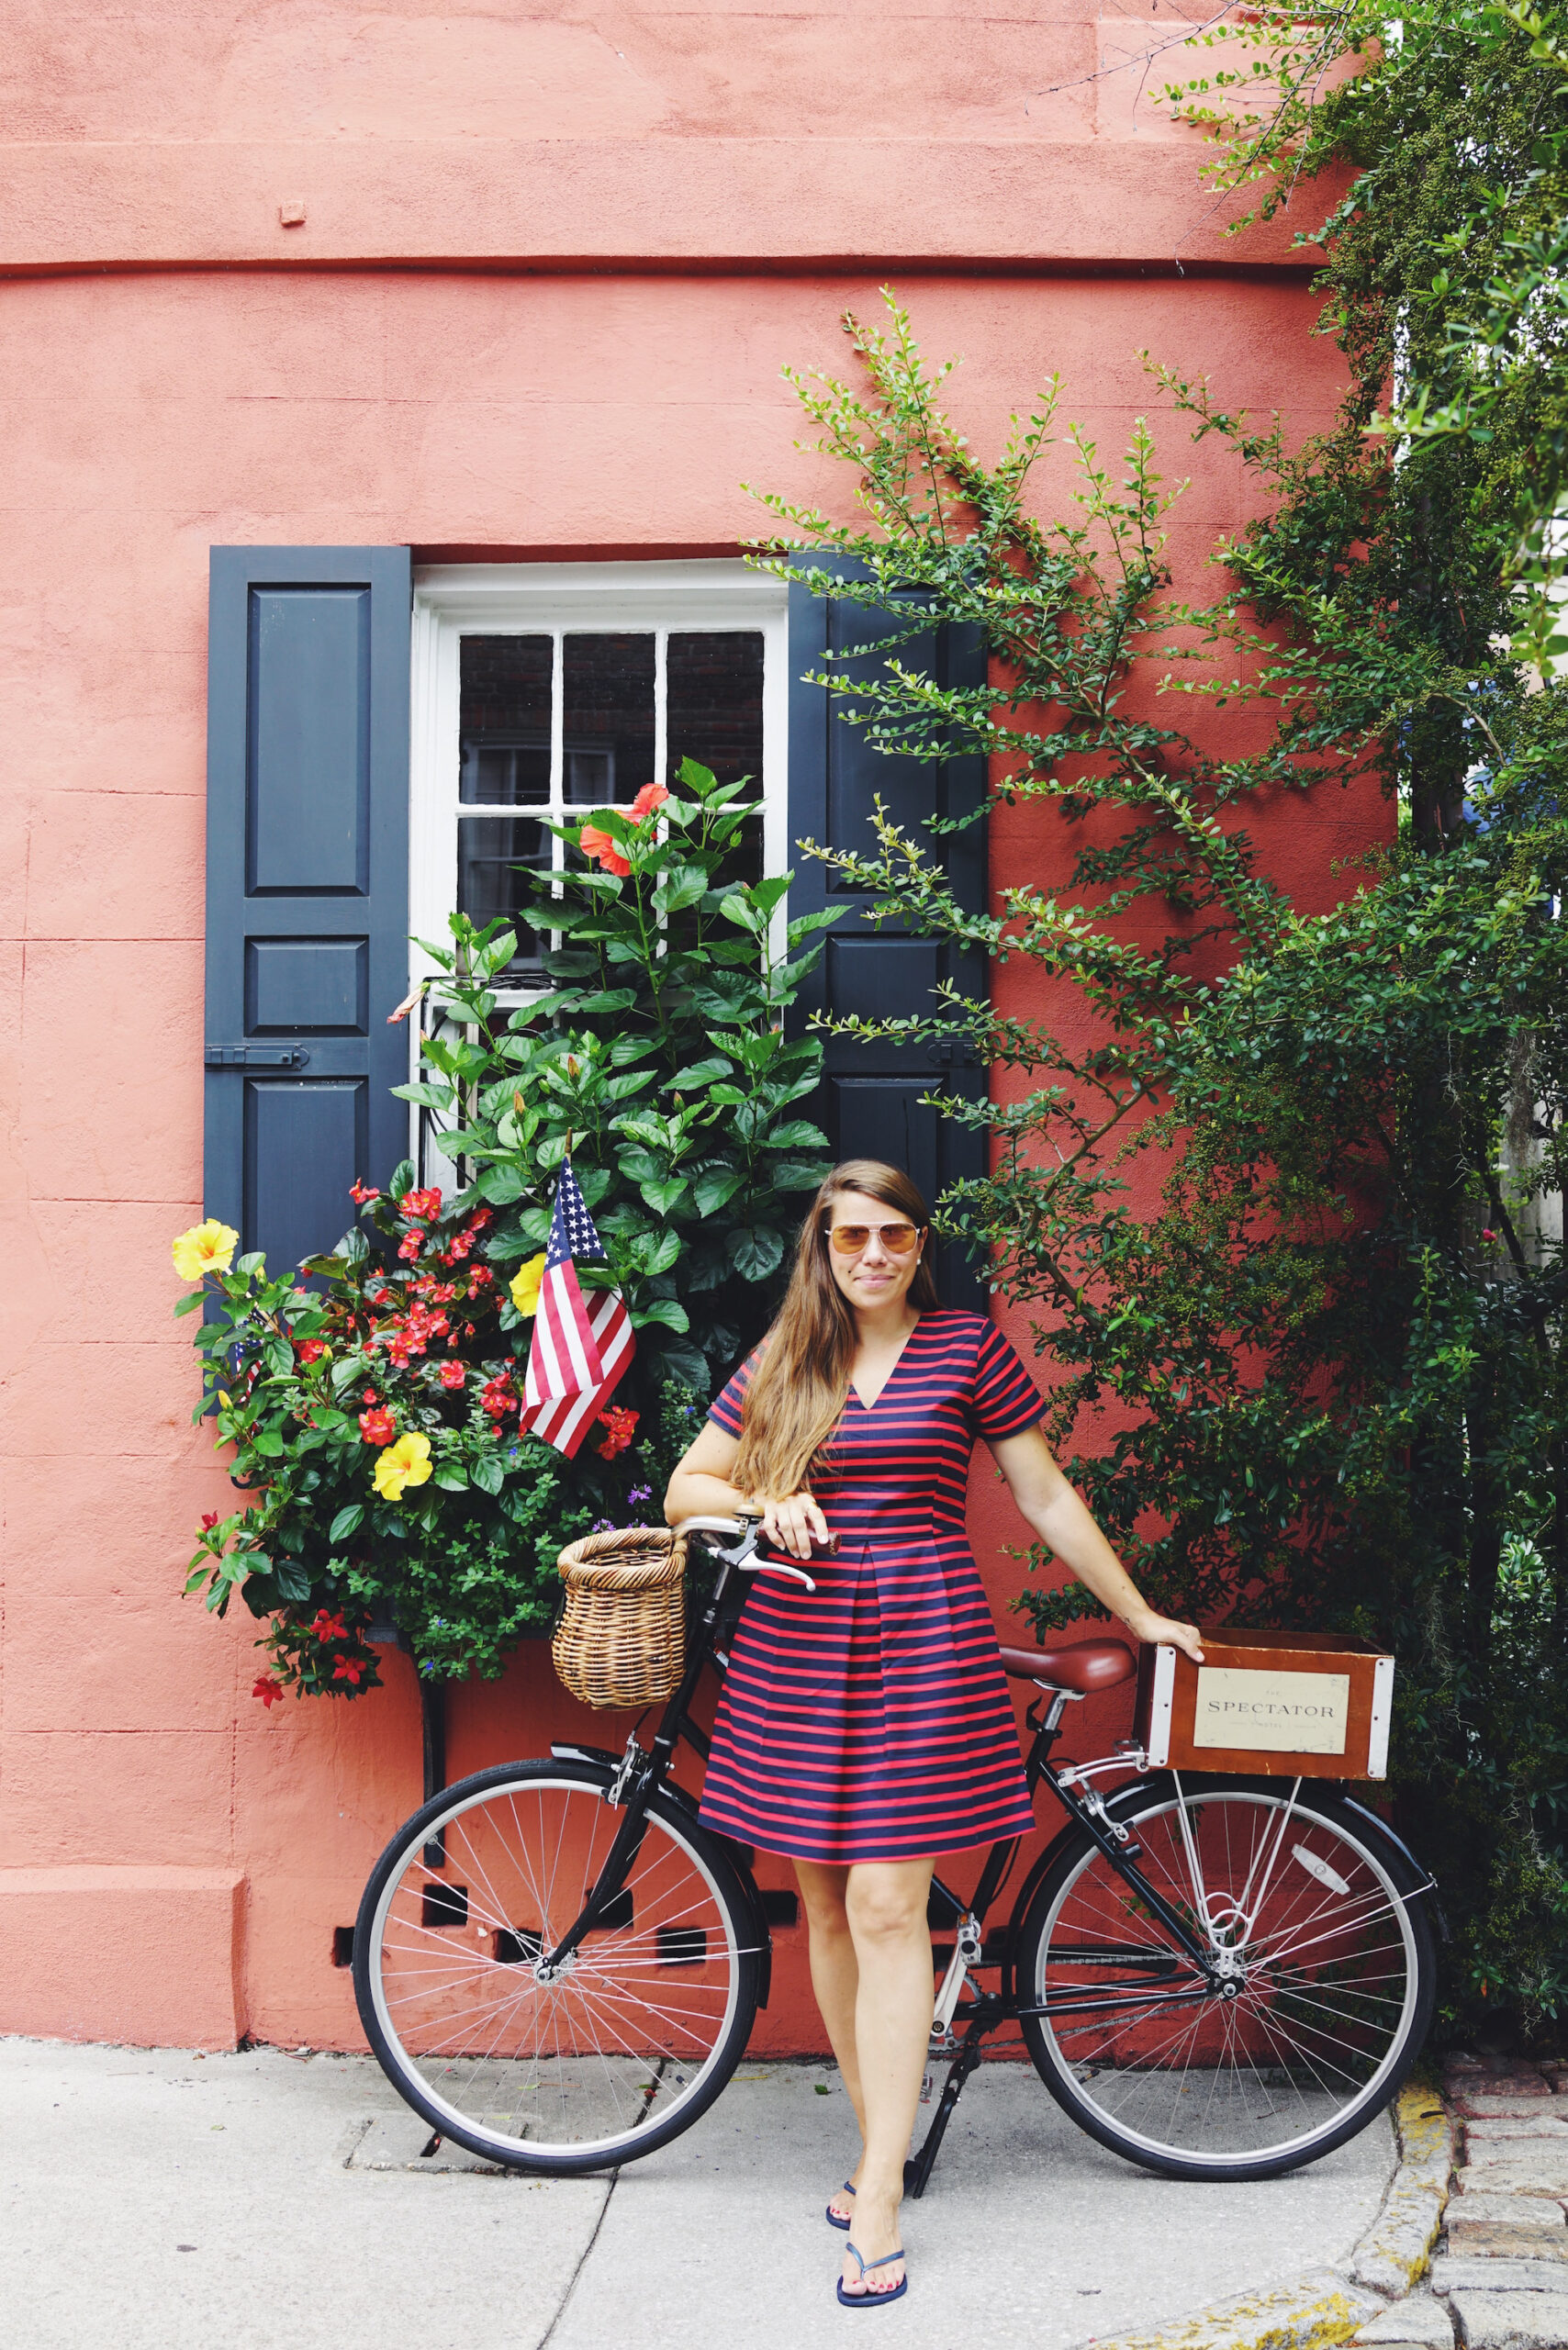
[[799, 1388]]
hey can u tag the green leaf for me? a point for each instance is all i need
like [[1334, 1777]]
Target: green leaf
[[450, 1478], [189, 1305], [698, 1073], [347, 1521], [487, 1473], [715, 1186], [500, 1186], [756, 1251], [663, 1310], [427, 1097], [795, 1134], [663, 1195]]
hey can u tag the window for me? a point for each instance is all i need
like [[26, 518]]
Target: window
[[542, 690]]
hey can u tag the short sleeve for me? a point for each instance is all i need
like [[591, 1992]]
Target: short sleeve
[[727, 1410], [1006, 1400]]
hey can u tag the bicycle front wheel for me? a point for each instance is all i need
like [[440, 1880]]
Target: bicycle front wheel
[[1323, 1991], [620, 2050]]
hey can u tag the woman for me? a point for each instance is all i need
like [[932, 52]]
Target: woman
[[866, 1727]]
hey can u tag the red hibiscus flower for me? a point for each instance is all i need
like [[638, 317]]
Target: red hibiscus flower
[[363, 1193], [652, 796], [425, 1205], [349, 1669], [451, 1375], [619, 1424], [208, 1520], [599, 849], [269, 1691], [328, 1628], [378, 1426]]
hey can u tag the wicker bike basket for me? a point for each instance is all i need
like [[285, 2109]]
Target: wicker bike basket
[[621, 1637]]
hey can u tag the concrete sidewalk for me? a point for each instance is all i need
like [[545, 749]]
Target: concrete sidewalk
[[156, 2200]]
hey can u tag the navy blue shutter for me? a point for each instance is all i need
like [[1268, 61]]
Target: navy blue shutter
[[307, 887], [870, 1104]]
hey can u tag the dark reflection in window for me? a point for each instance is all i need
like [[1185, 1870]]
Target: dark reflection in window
[[608, 718], [714, 714], [489, 850], [504, 722]]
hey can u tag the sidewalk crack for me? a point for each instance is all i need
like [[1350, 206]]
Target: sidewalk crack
[[549, 2333]]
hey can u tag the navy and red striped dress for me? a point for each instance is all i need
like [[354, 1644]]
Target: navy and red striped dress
[[869, 1721]]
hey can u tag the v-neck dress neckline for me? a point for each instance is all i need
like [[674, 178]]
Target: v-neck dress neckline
[[898, 1366]]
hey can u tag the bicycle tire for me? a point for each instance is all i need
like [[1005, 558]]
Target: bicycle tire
[[1307, 2011], [457, 2013]]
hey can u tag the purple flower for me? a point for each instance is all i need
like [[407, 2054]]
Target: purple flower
[[640, 1494], [603, 1526]]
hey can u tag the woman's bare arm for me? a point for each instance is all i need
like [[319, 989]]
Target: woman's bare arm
[[1061, 1518], [701, 1487]]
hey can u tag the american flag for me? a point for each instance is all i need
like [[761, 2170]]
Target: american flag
[[581, 1346]]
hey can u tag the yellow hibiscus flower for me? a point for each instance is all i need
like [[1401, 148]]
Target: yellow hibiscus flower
[[524, 1288], [407, 1462], [205, 1248]]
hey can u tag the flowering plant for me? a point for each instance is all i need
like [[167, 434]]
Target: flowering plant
[[658, 1055], [374, 1418], [373, 1395]]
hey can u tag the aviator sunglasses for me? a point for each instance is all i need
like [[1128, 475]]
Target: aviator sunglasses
[[849, 1239]]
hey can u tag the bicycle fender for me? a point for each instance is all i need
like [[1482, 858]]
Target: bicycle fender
[[1423, 1879]]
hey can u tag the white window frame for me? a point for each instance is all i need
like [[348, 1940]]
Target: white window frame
[[458, 600]]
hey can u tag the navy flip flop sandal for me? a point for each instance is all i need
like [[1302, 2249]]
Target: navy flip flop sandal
[[830, 2216], [868, 2299]]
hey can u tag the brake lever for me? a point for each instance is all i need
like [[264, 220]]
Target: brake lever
[[777, 1567]]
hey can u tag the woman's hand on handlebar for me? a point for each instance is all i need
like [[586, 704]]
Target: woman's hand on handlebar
[[792, 1525]]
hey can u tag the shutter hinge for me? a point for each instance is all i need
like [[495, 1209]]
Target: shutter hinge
[[257, 1056]]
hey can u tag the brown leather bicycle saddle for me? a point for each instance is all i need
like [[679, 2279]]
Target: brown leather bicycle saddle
[[1090, 1665]]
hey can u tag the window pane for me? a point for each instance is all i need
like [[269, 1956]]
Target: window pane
[[505, 720], [714, 714], [608, 718], [488, 850]]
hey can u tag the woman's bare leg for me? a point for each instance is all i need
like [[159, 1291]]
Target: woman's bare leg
[[835, 1979], [885, 1904]]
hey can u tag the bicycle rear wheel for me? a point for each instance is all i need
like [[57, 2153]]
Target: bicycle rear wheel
[[633, 2039], [1328, 1983]]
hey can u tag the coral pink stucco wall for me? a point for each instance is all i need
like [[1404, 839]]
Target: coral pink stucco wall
[[552, 264]]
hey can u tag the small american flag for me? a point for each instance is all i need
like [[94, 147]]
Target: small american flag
[[579, 1349]]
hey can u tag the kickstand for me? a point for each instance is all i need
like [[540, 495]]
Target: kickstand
[[917, 2171]]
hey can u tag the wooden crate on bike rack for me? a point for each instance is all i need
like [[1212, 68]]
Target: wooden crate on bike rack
[[1287, 1705]]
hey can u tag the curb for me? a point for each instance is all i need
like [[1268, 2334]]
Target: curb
[[1349, 2301]]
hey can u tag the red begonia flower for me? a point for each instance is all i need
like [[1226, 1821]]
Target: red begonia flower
[[378, 1426], [451, 1375], [619, 1424], [363, 1193]]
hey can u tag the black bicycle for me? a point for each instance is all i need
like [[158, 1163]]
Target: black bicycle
[[558, 1965]]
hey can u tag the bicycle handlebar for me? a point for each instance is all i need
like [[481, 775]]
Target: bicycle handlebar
[[745, 1530]]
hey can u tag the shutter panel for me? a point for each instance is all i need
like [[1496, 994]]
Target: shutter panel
[[870, 1106], [307, 887]]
